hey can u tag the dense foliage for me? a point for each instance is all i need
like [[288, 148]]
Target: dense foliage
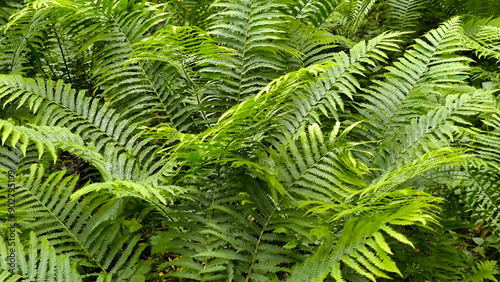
[[250, 140]]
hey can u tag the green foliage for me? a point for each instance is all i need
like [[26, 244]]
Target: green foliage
[[40, 263], [406, 13], [255, 30], [313, 12], [44, 207], [484, 270], [478, 8], [250, 140]]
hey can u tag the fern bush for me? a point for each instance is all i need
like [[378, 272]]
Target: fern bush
[[249, 140]]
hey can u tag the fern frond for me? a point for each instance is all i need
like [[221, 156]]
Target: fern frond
[[483, 37], [192, 12], [24, 136], [185, 50], [421, 70], [112, 133], [38, 261], [480, 194], [477, 8], [313, 12], [409, 97], [238, 241], [405, 13], [256, 31], [46, 137], [9, 8], [362, 245], [443, 156], [61, 138], [24, 36], [435, 255], [485, 142], [315, 45], [484, 270], [386, 187], [325, 96], [437, 128], [320, 167], [250, 120], [358, 9], [107, 31], [87, 229], [156, 196]]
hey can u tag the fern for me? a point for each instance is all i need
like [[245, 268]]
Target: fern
[[483, 37], [38, 261], [481, 196], [405, 13], [58, 104], [191, 12], [124, 81], [484, 270], [67, 225], [357, 11], [435, 255], [256, 31], [313, 12], [410, 84], [362, 245], [188, 49], [242, 140], [325, 96], [24, 35], [8, 8], [478, 8]]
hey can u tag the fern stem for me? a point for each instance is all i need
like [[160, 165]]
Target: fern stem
[[62, 54], [259, 240]]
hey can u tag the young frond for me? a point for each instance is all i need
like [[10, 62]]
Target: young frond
[[363, 246], [402, 173], [251, 119]]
